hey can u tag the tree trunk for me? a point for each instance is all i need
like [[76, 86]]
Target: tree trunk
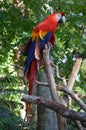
[[47, 119]]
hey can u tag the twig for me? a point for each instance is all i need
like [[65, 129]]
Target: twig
[[57, 107], [42, 83], [79, 125], [58, 75], [18, 66]]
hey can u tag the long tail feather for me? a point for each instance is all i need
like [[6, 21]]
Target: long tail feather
[[31, 76]]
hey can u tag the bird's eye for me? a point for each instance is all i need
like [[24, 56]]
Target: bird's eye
[[59, 15]]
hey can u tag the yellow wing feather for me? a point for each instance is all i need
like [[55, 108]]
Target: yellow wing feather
[[39, 34]]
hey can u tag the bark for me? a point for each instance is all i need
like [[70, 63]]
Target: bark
[[61, 121], [74, 73], [79, 125], [49, 74], [71, 81], [57, 107], [46, 118]]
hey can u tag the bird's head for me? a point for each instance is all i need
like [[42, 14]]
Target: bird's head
[[60, 17]]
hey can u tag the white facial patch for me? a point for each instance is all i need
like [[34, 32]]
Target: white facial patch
[[58, 17], [63, 19]]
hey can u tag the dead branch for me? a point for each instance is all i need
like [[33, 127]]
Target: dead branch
[[71, 81], [57, 107], [74, 73]]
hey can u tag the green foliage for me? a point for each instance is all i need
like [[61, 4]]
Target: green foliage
[[8, 120], [83, 68]]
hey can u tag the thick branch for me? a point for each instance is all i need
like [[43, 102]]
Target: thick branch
[[57, 107], [71, 81], [74, 73], [49, 74]]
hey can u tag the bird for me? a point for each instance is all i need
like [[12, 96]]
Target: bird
[[42, 34]]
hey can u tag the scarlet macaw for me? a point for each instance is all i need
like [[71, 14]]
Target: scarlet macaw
[[43, 33]]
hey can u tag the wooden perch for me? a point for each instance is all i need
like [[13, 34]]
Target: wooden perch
[[57, 107], [49, 74]]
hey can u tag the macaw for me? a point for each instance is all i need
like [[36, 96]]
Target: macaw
[[42, 34]]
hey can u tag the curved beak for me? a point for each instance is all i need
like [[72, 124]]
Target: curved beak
[[62, 20]]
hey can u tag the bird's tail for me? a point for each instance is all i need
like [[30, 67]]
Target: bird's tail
[[31, 77]]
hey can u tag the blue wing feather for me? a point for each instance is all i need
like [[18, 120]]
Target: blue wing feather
[[31, 50]]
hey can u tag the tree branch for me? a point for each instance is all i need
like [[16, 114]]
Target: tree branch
[[73, 96], [74, 73], [57, 107], [42, 83], [71, 81], [18, 66], [70, 93], [58, 75], [49, 74], [79, 125]]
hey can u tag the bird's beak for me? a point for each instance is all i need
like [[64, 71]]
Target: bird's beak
[[62, 20]]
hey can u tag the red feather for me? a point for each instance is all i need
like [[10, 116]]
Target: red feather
[[48, 25], [31, 77]]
